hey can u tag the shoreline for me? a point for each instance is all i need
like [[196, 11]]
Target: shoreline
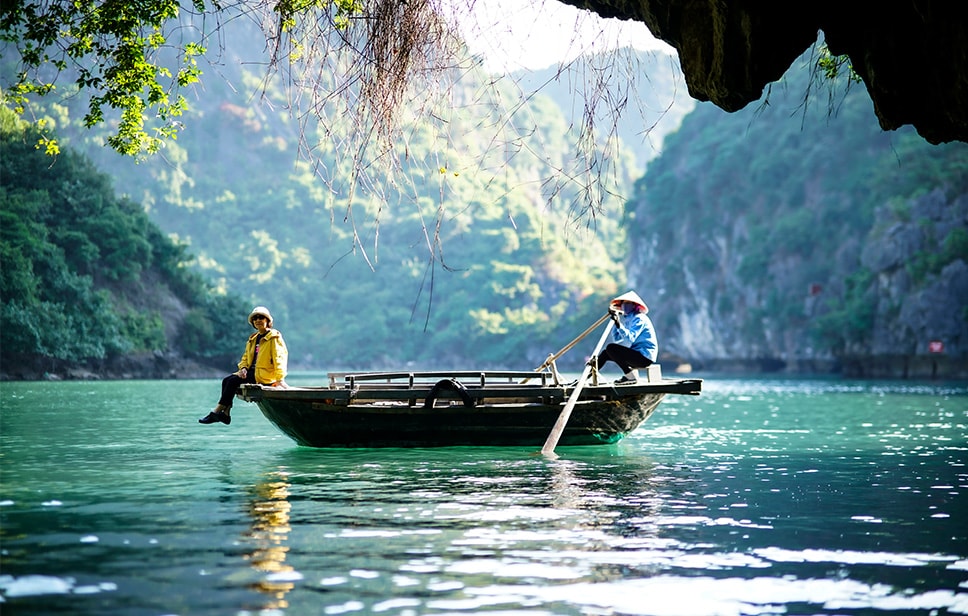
[[163, 367]]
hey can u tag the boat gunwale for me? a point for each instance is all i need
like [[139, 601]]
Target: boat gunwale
[[363, 390]]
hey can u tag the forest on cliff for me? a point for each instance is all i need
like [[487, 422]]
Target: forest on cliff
[[481, 247], [87, 278]]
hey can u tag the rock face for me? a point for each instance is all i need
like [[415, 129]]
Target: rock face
[[912, 316], [918, 312], [156, 365], [911, 55]]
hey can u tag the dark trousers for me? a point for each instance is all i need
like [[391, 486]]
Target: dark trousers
[[626, 358], [231, 384]]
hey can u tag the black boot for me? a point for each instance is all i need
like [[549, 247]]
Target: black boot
[[220, 413]]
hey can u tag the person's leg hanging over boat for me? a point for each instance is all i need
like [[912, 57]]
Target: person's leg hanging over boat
[[230, 385]]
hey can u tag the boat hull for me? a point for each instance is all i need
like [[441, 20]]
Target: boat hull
[[318, 424], [418, 415]]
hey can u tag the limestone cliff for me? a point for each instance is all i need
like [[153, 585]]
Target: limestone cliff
[[805, 241], [920, 309]]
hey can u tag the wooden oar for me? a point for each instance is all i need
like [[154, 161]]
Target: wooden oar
[[552, 441], [567, 347]]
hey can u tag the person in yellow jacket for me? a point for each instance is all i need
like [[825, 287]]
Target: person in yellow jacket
[[265, 361]]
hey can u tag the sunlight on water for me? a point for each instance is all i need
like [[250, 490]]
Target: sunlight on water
[[758, 497]]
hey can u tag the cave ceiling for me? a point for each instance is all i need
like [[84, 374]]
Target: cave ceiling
[[911, 55]]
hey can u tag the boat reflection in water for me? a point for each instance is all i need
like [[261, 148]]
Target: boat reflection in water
[[270, 509]]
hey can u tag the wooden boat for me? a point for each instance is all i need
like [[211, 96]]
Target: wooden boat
[[439, 408]]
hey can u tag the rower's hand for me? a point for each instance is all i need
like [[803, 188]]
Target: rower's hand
[[614, 313]]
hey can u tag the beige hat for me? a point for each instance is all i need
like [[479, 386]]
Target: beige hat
[[633, 297], [260, 310]]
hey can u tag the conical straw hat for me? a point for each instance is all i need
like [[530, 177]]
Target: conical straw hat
[[631, 296]]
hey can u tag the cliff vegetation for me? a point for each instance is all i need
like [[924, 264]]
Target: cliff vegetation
[[89, 284]]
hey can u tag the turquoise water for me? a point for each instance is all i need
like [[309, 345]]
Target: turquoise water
[[758, 497]]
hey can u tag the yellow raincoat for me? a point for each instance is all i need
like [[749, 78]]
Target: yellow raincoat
[[272, 363]]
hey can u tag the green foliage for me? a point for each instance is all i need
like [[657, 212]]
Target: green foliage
[[215, 329], [74, 260], [114, 51], [144, 331], [912, 168], [955, 246], [926, 264], [833, 67], [291, 11], [849, 320]]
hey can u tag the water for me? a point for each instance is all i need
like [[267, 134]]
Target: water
[[758, 497]]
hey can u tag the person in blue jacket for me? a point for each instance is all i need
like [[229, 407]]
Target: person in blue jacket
[[632, 343]]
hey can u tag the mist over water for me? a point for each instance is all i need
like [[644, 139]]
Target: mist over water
[[758, 497]]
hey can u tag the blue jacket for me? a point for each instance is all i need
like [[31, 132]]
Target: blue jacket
[[636, 332]]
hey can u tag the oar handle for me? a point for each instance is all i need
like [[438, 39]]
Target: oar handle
[[555, 435]]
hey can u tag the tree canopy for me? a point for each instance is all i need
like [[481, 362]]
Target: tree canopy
[[116, 52], [134, 60]]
